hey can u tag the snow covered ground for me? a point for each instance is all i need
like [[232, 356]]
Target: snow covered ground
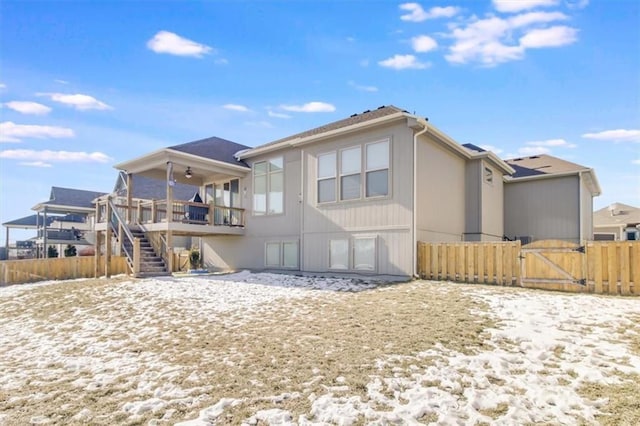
[[257, 348]]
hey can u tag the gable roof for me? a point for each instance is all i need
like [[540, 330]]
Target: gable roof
[[153, 189], [367, 115], [473, 148], [29, 221], [616, 214], [70, 197], [213, 148], [543, 164]]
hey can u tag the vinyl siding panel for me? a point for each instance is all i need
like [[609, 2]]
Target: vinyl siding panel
[[441, 193], [492, 205], [586, 205], [545, 208]]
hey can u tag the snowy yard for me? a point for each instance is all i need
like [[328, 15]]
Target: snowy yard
[[273, 349]]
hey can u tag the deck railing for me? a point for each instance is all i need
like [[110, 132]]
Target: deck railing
[[155, 211]]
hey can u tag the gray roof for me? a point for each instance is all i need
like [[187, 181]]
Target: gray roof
[[72, 197], [617, 214], [154, 189], [542, 164], [350, 121], [213, 148], [473, 148], [28, 221]]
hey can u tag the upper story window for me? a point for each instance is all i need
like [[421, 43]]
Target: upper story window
[[268, 186], [361, 167]]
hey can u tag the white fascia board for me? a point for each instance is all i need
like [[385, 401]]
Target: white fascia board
[[160, 158], [495, 160], [320, 136]]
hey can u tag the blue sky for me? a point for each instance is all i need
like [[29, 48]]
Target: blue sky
[[84, 85]]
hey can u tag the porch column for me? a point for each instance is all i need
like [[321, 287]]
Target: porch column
[[169, 192], [37, 236], [98, 248], [170, 252], [129, 198], [6, 244], [45, 249], [107, 249]]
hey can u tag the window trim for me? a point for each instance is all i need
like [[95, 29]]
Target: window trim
[[334, 177], [281, 244], [351, 268], [363, 173], [268, 173]]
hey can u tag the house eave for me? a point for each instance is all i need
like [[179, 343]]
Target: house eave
[[322, 136]]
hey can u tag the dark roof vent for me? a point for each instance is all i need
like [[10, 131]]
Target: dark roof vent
[[366, 111], [383, 106], [353, 115], [534, 156]]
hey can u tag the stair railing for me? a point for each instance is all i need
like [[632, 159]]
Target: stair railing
[[130, 245]]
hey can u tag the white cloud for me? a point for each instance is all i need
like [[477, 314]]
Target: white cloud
[[78, 101], [3, 86], [278, 114], [30, 155], [576, 4], [221, 61], [11, 132], [549, 37], [61, 81], [236, 107], [173, 44], [310, 107], [262, 123], [637, 162], [35, 164], [423, 43], [618, 135], [26, 107], [519, 5], [533, 150], [490, 41], [363, 88], [553, 143], [491, 148], [417, 14], [401, 62]]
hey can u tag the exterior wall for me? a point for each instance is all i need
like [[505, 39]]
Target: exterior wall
[[617, 231], [483, 203], [248, 251], [586, 206], [492, 206], [389, 219], [543, 209], [440, 194]]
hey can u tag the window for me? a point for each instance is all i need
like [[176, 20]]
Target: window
[[488, 175], [268, 186], [272, 255], [327, 177], [377, 173], [339, 254], [364, 254], [281, 254], [373, 158], [350, 166]]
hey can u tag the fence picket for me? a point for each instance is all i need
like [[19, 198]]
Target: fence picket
[[31, 270]]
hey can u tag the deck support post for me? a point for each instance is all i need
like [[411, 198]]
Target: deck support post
[[107, 251], [98, 249], [170, 252], [129, 198]]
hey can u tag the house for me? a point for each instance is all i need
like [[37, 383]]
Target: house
[[65, 218], [549, 198], [617, 222], [24, 249], [354, 195]]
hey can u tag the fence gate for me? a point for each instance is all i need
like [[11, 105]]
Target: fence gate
[[554, 265]]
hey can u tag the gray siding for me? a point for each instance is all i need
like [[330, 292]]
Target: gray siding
[[492, 205], [441, 193], [586, 205], [543, 209]]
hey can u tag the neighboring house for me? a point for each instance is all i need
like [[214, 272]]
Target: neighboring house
[[25, 249], [549, 198], [65, 218], [352, 196], [617, 222]]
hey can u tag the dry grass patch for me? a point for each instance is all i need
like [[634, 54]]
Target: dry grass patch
[[279, 357]]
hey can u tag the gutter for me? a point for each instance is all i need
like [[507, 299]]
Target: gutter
[[414, 231]]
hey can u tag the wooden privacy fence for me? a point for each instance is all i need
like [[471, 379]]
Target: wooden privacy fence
[[31, 270], [602, 267]]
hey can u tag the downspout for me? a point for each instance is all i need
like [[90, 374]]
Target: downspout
[[302, 207], [414, 231]]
